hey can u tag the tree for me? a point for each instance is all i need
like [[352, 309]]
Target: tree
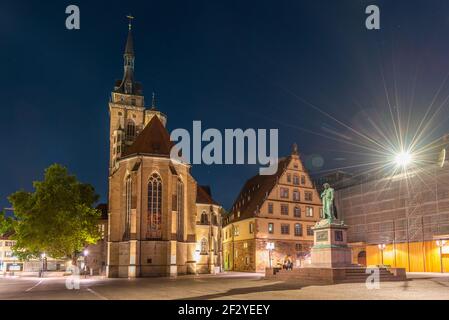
[[6, 223], [58, 218]]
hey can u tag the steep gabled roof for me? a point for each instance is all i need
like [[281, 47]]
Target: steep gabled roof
[[203, 195], [153, 140], [256, 190]]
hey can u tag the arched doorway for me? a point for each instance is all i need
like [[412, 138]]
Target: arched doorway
[[361, 258]]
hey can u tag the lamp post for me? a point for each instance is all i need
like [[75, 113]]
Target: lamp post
[[270, 247], [43, 256], [440, 244], [86, 253], [382, 248]]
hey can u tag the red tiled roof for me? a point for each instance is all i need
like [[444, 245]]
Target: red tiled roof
[[203, 196], [153, 140], [255, 191]]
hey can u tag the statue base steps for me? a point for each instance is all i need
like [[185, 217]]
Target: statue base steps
[[331, 260]]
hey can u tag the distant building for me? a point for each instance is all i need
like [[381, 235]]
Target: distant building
[[406, 213], [280, 208]]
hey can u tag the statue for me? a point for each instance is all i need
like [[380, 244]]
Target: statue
[[327, 197]]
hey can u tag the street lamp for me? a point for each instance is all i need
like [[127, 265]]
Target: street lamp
[[382, 248], [440, 244], [403, 159], [43, 256], [270, 247], [86, 253]]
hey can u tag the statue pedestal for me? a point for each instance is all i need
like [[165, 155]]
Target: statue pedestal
[[330, 248], [332, 261]]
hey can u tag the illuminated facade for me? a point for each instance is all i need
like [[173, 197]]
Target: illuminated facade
[[155, 205], [280, 209]]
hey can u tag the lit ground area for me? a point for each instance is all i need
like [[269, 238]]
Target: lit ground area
[[225, 286]]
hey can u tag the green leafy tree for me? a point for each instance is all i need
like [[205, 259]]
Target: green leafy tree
[[58, 218], [6, 223]]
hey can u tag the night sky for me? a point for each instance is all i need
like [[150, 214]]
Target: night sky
[[309, 68]]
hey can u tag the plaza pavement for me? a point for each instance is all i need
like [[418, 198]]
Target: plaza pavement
[[235, 286]]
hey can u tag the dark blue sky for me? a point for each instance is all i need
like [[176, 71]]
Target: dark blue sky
[[230, 64]]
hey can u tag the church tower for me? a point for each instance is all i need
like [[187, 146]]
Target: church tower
[[153, 201], [127, 112]]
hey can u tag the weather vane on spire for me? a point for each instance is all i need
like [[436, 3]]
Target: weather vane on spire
[[130, 18]]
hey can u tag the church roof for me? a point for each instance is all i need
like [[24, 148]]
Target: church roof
[[204, 196], [153, 140], [256, 190]]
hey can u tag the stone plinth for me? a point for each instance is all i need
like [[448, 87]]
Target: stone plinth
[[330, 249], [332, 261]]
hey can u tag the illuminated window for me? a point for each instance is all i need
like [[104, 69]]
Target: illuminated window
[[251, 227], [270, 228], [309, 212], [270, 207]]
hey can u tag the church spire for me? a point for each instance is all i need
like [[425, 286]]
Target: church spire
[[128, 85], [129, 49], [153, 102]]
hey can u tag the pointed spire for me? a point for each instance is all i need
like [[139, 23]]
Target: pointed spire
[[153, 102], [129, 48], [295, 149]]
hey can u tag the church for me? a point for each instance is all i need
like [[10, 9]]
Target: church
[[160, 221]]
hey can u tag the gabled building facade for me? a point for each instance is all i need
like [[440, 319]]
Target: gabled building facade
[[153, 209], [280, 208]]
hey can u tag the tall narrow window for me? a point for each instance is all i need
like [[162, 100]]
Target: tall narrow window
[[180, 208], [296, 195], [270, 207], [154, 207], [203, 246], [130, 130], [296, 180], [204, 218], [298, 230], [297, 212], [128, 199]]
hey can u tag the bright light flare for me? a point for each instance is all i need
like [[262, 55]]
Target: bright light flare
[[403, 159]]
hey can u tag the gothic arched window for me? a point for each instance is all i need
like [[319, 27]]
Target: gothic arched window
[[130, 130], [180, 209], [154, 207], [128, 201], [204, 246], [204, 218]]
